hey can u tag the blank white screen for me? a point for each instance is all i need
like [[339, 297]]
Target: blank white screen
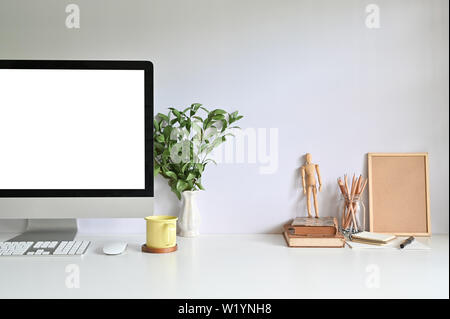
[[72, 129]]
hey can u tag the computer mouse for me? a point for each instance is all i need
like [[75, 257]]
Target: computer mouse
[[114, 248]]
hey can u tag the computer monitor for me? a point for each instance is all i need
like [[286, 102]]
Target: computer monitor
[[75, 140]]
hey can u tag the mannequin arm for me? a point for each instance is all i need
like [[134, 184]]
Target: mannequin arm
[[320, 178], [303, 179]]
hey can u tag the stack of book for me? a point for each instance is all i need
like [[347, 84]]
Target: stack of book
[[313, 232]]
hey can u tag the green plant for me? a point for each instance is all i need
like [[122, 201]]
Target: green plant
[[183, 141]]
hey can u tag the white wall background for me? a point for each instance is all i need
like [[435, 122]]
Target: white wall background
[[312, 69]]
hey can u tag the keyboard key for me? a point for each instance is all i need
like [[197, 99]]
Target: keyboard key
[[66, 249], [74, 248], [45, 244], [46, 253], [62, 246], [59, 248], [83, 247], [38, 244], [53, 244]]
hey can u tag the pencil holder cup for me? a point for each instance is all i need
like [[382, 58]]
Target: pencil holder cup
[[353, 215]]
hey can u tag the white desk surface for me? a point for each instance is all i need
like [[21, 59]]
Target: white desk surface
[[232, 266]]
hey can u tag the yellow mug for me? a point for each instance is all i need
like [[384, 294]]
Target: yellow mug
[[161, 231]]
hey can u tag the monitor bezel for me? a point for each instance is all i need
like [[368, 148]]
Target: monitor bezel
[[147, 67]]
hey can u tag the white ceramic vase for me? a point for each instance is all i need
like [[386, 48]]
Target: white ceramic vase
[[189, 219]]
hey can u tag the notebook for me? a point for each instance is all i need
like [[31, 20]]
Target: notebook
[[372, 238], [312, 226], [335, 241], [417, 244], [314, 222]]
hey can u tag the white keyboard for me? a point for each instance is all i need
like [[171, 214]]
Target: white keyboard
[[43, 248]]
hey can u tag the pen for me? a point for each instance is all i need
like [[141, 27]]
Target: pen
[[407, 242]]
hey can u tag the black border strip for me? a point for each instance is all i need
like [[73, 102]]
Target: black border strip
[[146, 66]]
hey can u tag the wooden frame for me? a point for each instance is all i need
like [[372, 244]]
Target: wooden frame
[[388, 216]]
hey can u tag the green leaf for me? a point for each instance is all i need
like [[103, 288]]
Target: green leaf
[[163, 117], [203, 147], [200, 167], [195, 108], [204, 109], [176, 191], [177, 113], [166, 132], [184, 166], [233, 117], [224, 126], [172, 175], [228, 134], [190, 176], [210, 160], [160, 138], [218, 117], [200, 185], [156, 170], [158, 147], [217, 142], [197, 129], [212, 132], [181, 185], [156, 125], [207, 124], [165, 154], [218, 111]]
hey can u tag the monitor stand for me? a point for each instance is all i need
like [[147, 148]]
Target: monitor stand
[[48, 230]]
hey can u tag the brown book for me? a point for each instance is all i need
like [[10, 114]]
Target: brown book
[[336, 241], [312, 226]]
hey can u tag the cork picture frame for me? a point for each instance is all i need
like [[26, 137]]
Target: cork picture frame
[[399, 198]]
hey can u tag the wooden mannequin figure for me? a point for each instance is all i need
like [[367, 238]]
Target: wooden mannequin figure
[[309, 171]]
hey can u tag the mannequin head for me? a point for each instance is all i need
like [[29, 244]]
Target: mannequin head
[[308, 158]]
